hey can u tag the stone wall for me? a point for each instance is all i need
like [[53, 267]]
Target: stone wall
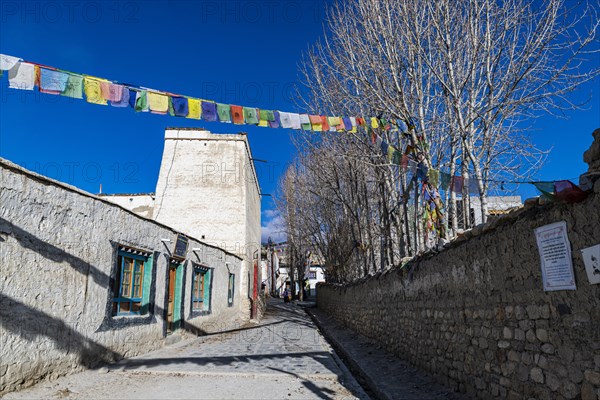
[[476, 316], [58, 253]]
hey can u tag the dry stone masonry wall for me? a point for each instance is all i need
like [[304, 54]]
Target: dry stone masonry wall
[[476, 316]]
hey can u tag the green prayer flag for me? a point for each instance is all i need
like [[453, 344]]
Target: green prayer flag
[[141, 101], [74, 87], [306, 127], [267, 115], [546, 188], [396, 157], [251, 115], [433, 176], [171, 109], [445, 180], [224, 112]]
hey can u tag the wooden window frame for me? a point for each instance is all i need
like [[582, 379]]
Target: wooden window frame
[[198, 302], [119, 298], [205, 302]]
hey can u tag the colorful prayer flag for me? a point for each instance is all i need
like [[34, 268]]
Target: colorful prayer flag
[[93, 91], [209, 111], [180, 106], [158, 103], [74, 87], [141, 101], [52, 82], [194, 109], [457, 184], [276, 123], [22, 76], [224, 112], [237, 113], [568, 192], [250, 115]]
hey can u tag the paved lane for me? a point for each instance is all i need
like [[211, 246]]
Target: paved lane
[[283, 357]]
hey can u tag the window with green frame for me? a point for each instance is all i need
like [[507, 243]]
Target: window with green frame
[[131, 283], [201, 288]]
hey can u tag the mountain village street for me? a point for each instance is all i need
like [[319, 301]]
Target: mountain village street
[[284, 356]]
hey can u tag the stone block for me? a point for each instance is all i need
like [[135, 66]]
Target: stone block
[[552, 381], [503, 344], [519, 334], [588, 392], [575, 375], [522, 373], [533, 311], [542, 361], [520, 312], [530, 335], [504, 381], [548, 348], [526, 324], [566, 353], [569, 390], [542, 335], [537, 375], [592, 376], [507, 333]]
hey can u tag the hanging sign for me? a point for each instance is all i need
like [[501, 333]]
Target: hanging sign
[[591, 259], [180, 246], [555, 255]]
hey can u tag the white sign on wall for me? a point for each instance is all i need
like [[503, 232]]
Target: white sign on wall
[[555, 255], [591, 259]]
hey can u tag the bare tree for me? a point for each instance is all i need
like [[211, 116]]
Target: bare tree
[[465, 75]]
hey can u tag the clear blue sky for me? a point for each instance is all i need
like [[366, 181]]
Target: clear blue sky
[[239, 52]]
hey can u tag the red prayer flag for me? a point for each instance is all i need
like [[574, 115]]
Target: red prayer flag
[[237, 115], [325, 123], [404, 162], [315, 119], [568, 192], [457, 184]]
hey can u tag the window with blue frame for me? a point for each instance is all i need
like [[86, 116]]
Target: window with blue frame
[[201, 288], [130, 296]]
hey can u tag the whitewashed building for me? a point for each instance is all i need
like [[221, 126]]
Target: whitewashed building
[[208, 188]]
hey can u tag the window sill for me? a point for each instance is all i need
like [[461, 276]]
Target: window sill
[[195, 314], [116, 322]]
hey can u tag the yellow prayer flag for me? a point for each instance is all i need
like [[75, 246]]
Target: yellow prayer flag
[[263, 123], [317, 127], [93, 91], [194, 110], [334, 121], [391, 150], [374, 123], [158, 102]]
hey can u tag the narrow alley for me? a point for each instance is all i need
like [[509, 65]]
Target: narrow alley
[[284, 356]]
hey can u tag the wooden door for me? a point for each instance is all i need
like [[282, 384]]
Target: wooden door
[[255, 291], [171, 299]]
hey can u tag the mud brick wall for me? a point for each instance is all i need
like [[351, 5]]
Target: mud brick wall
[[58, 255], [476, 316]]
